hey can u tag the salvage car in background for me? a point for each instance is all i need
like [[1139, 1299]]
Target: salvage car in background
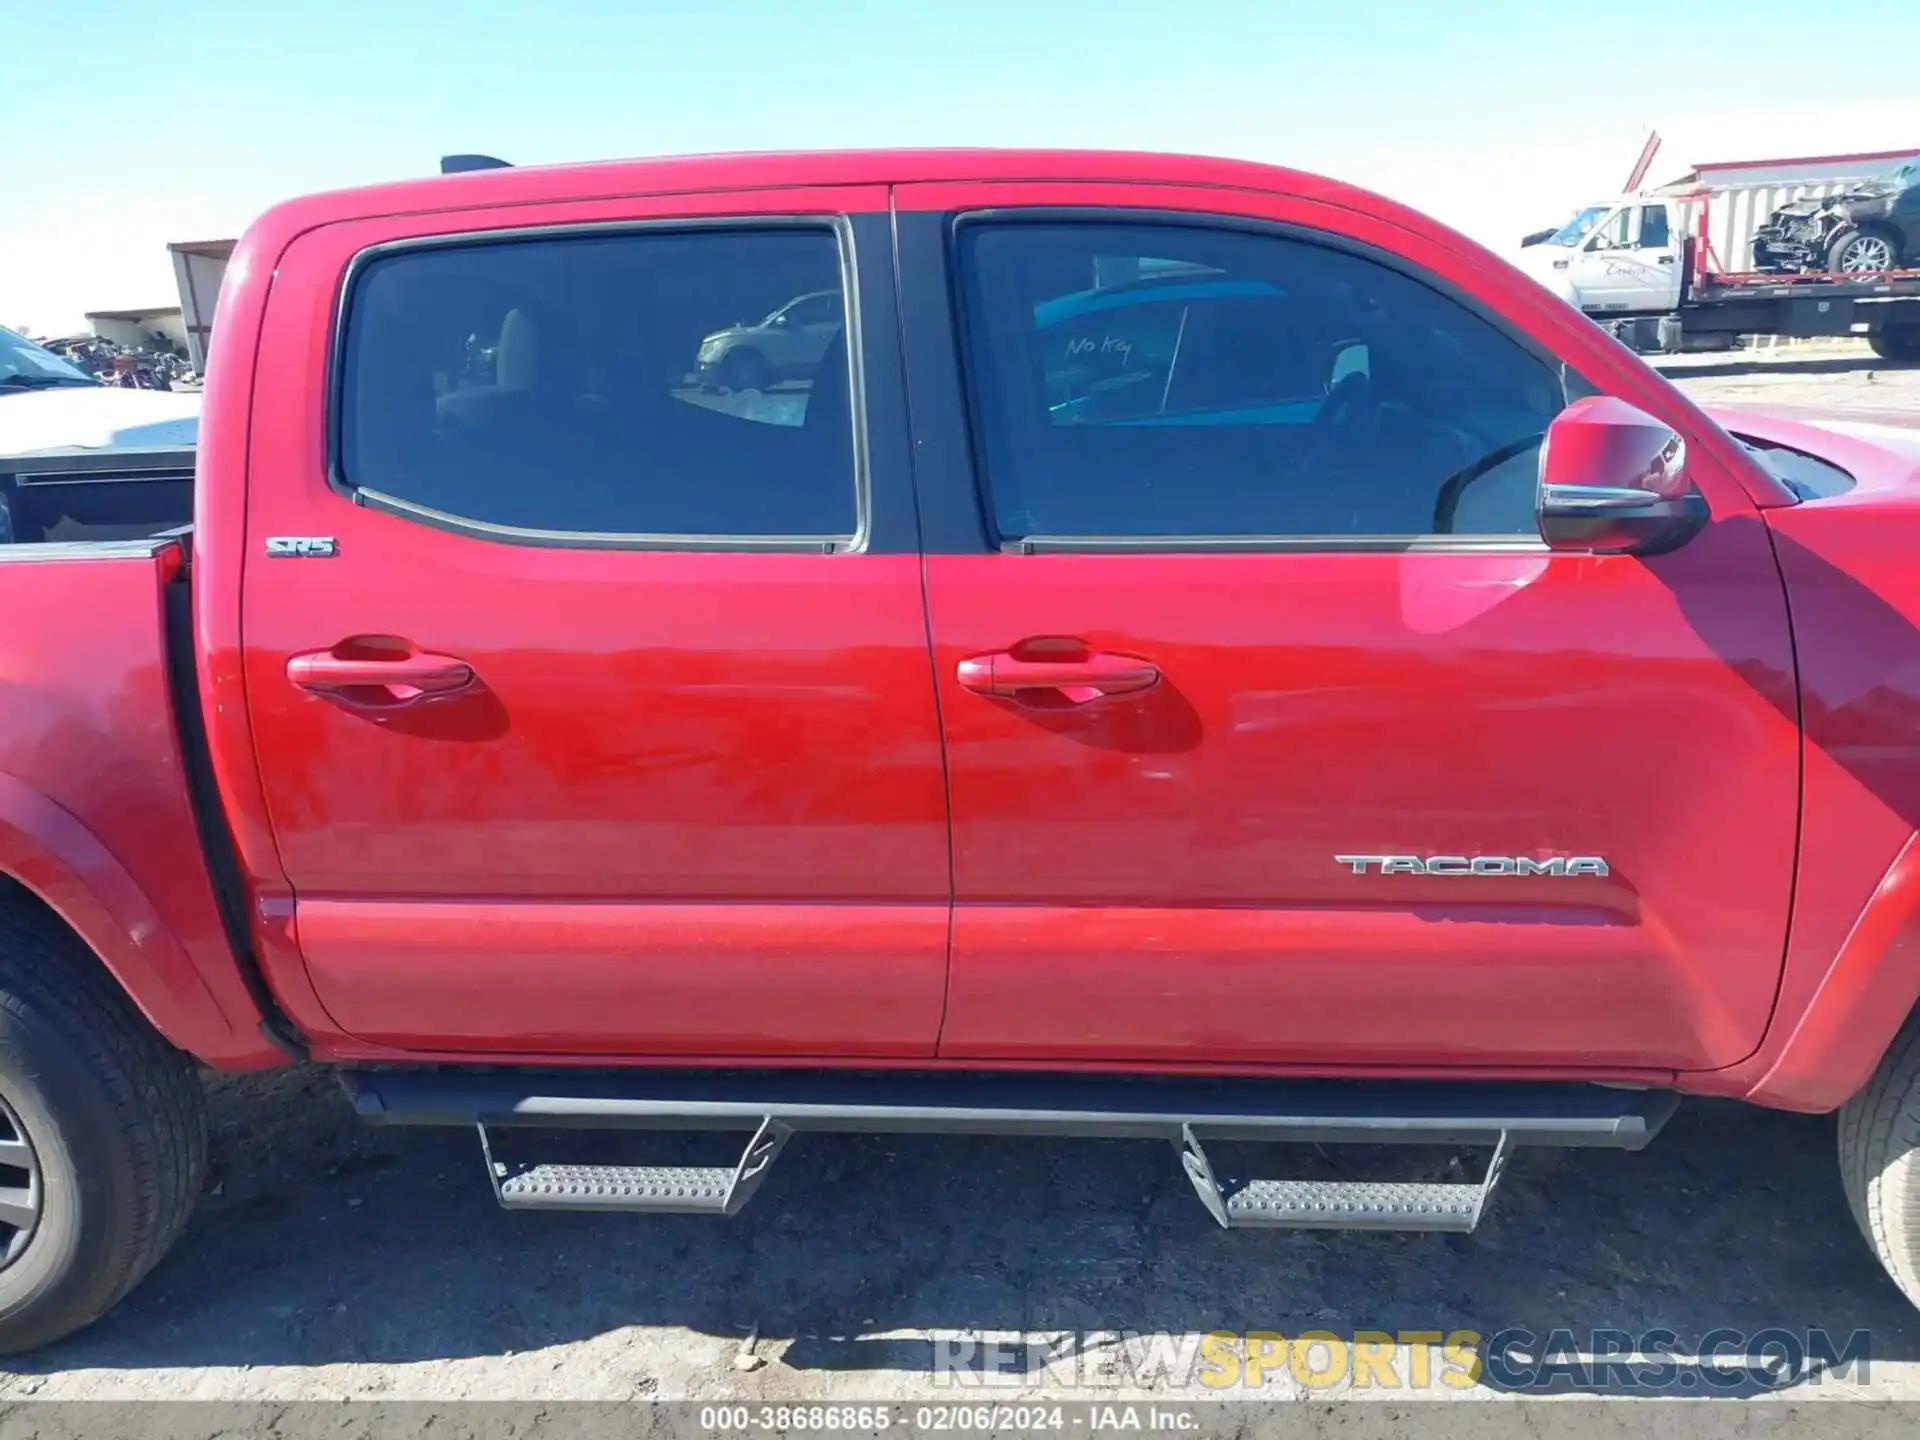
[[1865, 230], [1642, 267], [49, 403], [788, 343], [83, 461]]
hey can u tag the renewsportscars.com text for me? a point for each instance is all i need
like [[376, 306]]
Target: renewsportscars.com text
[[1409, 1361]]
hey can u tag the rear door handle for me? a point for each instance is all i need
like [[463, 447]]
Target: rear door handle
[[401, 678], [1081, 679]]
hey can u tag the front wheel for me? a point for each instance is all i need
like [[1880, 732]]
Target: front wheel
[[103, 1141], [1866, 251], [1880, 1159], [745, 369]]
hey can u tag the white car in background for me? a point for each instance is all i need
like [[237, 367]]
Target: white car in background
[[787, 344], [50, 405]]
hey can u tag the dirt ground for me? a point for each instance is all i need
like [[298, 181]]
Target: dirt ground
[[1840, 373], [328, 1260]]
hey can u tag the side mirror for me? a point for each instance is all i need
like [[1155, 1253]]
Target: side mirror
[[1613, 480]]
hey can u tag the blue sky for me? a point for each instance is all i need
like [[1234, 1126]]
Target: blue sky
[[132, 124]]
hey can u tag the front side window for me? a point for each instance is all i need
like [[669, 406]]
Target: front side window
[[824, 310], [1613, 234], [1171, 381], [605, 384], [1575, 230]]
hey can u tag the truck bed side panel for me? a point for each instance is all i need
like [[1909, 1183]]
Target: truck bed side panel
[[94, 811]]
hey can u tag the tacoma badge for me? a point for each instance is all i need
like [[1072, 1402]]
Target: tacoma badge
[[1474, 865]]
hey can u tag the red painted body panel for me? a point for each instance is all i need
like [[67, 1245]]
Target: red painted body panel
[[760, 727], [739, 979], [220, 496], [700, 736], [1401, 986], [94, 817], [752, 758], [1413, 703], [1853, 962], [349, 1051]]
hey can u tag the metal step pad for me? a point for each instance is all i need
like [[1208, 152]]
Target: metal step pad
[[684, 1189], [1342, 1204], [652, 1189]]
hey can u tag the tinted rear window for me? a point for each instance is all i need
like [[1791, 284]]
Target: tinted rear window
[[661, 383]]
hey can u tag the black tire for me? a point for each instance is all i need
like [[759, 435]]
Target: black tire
[[745, 369], [117, 1128], [1880, 1159], [1883, 244], [1899, 343]]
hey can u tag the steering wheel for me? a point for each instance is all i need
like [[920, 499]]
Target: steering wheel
[[1320, 438], [1352, 392], [1455, 485]]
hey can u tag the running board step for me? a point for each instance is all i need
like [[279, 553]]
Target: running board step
[[649, 1189], [1090, 1106], [1343, 1204]]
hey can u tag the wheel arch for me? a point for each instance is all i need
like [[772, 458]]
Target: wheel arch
[[745, 351], [1862, 1001], [1850, 230], [51, 861]]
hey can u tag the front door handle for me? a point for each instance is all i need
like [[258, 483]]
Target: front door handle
[[374, 677], [1080, 679]]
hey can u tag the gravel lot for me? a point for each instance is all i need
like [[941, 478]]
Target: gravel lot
[[331, 1261], [1841, 373]]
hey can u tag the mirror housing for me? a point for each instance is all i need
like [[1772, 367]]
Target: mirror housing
[[1613, 481]]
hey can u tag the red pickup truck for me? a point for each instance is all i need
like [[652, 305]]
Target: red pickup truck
[[1028, 643]]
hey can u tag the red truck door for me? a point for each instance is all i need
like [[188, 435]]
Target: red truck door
[[1266, 747], [585, 650]]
